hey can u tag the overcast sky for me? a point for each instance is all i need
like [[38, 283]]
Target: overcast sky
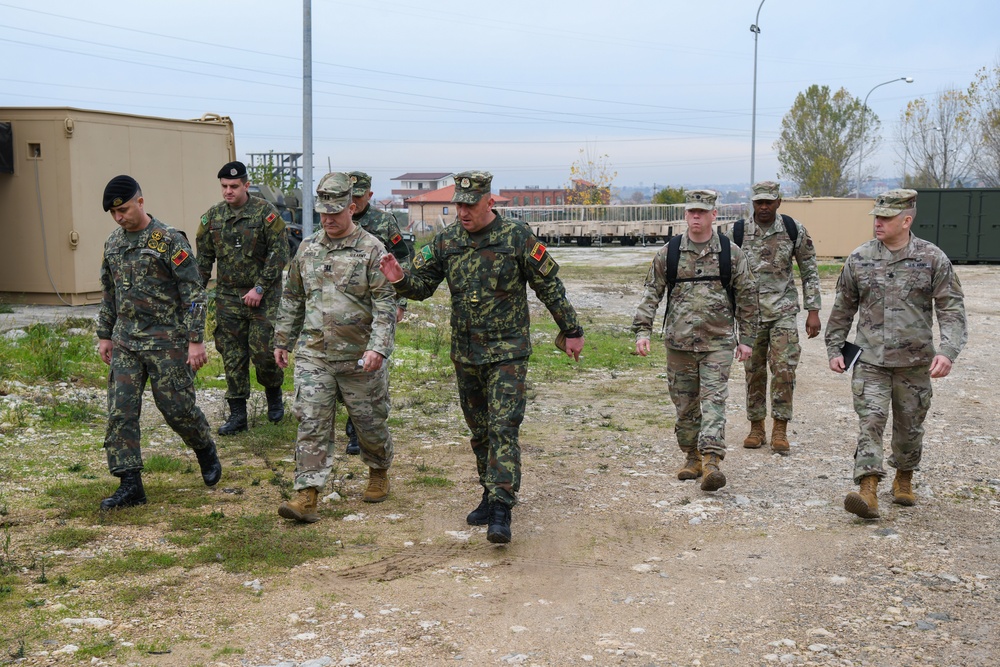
[[663, 87]]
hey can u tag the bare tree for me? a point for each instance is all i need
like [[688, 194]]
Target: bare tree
[[984, 98], [938, 140]]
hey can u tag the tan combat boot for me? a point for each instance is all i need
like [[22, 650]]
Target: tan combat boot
[[902, 492], [378, 486], [692, 466], [757, 436], [303, 507], [864, 502], [713, 479], [779, 439]]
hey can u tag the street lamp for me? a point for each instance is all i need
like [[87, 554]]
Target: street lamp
[[755, 29], [864, 107]]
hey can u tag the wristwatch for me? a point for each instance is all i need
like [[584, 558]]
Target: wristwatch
[[258, 289]]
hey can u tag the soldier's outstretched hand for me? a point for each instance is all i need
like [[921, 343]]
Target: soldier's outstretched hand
[[390, 268]]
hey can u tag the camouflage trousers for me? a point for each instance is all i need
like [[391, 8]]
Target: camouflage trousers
[[243, 333], [776, 347], [493, 400], [908, 392], [318, 383], [172, 382], [699, 387]]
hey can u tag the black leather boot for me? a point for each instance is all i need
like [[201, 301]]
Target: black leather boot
[[237, 422], [499, 529], [353, 446], [275, 404], [481, 515], [129, 494], [211, 466]]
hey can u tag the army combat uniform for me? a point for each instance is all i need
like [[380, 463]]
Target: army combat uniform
[[153, 305], [700, 336], [336, 306], [490, 341], [251, 249], [895, 295]]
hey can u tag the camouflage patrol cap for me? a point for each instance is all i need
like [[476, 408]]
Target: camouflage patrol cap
[[333, 194], [766, 191], [703, 199], [892, 203], [361, 183], [471, 186]]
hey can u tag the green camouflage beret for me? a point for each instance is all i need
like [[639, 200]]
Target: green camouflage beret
[[333, 194], [890, 204], [471, 186]]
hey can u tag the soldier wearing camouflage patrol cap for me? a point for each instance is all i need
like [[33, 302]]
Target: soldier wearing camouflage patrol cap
[[338, 312], [151, 328], [772, 243], [699, 329], [896, 283], [246, 238], [488, 261]]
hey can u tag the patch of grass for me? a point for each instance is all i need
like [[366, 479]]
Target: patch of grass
[[70, 413], [133, 594], [134, 562], [6, 308], [99, 650], [261, 543], [71, 538], [163, 463], [155, 647], [77, 499], [431, 481], [227, 650]]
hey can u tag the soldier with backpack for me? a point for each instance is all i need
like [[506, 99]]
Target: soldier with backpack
[[709, 289], [770, 250]]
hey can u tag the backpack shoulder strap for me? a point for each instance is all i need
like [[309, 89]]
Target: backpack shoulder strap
[[738, 228], [791, 228], [726, 269], [673, 258]]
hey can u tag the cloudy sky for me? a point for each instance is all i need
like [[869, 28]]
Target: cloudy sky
[[663, 87]]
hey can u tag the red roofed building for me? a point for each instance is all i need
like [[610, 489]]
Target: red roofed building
[[434, 210], [418, 182]]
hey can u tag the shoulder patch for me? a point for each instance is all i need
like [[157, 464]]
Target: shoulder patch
[[396, 239], [538, 252], [271, 216], [425, 255], [547, 266], [204, 221], [179, 257]]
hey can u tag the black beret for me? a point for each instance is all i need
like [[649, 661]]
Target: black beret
[[233, 170], [119, 190]]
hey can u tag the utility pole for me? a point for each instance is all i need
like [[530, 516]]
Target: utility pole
[[307, 121]]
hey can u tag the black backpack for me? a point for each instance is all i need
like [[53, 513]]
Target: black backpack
[[725, 269], [790, 228]]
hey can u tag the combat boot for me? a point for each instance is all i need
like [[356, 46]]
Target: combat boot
[[211, 466], [864, 502], [353, 446], [779, 437], [129, 494], [481, 515], [275, 404], [499, 529], [378, 486], [303, 508], [902, 492], [713, 479], [237, 422], [757, 436], [692, 466]]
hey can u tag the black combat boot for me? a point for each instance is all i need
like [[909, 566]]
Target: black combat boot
[[353, 446], [211, 466], [129, 494], [481, 515], [499, 530], [237, 422], [275, 404]]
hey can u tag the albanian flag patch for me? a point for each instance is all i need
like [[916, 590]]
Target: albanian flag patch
[[179, 257], [538, 252]]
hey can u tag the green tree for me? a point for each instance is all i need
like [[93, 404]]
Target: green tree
[[820, 140], [669, 195], [590, 179]]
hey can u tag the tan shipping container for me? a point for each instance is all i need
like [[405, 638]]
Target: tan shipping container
[[51, 216]]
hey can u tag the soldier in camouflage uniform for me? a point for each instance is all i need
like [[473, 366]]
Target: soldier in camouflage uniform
[[247, 237], [770, 253], [488, 260], [150, 327], [699, 335], [895, 283], [382, 226], [339, 313]]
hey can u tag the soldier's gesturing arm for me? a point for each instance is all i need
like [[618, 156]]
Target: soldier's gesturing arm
[[422, 280]]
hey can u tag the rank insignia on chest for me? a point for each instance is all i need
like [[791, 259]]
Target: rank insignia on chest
[[179, 257], [396, 239], [272, 216], [156, 236], [538, 252]]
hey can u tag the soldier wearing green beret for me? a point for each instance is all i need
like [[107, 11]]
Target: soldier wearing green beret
[[150, 328], [488, 260], [246, 238], [895, 284]]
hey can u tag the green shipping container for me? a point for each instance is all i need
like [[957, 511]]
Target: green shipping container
[[964, 222]]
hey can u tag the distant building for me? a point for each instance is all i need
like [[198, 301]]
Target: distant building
[[414, 183], [535, 196], [434, 210], [587, 192]]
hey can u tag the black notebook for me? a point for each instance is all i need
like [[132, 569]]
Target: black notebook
[[851, 352]]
